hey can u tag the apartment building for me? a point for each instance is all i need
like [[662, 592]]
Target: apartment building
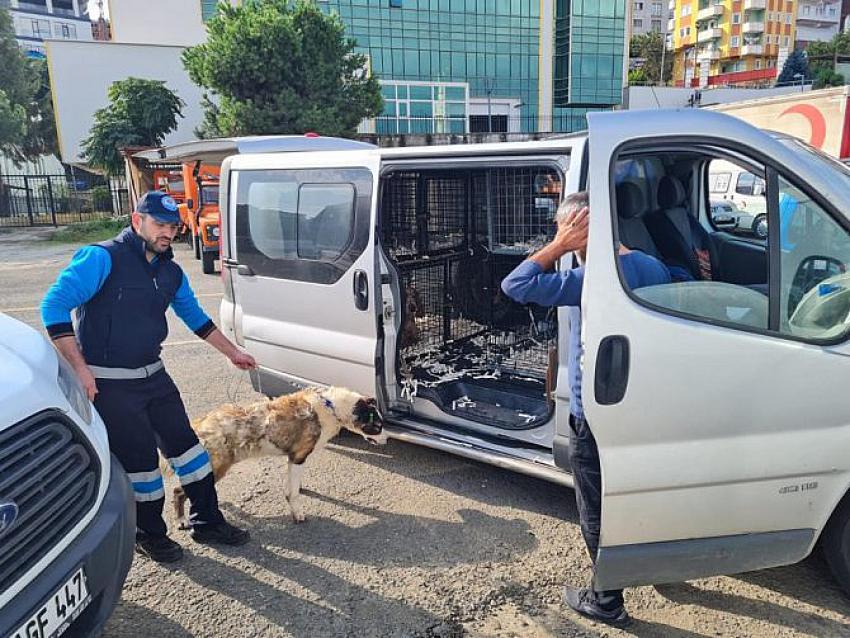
[[648, 16], [817, 21], [730, 42], [35, 21]]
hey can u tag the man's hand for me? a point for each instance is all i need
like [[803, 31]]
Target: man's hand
[[87, 380], [572, 232], [243, 360]]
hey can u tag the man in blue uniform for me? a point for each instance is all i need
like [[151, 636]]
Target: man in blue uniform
[[121, 289], [533, 281]]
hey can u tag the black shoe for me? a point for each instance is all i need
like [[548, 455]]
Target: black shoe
[[220, 533], [584, 602], [158, 548]]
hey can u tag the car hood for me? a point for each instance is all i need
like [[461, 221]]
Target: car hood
[[28, 369]]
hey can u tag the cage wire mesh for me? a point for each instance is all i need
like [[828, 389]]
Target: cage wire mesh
[[456, 322]]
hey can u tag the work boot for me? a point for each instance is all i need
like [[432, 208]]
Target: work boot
[[220, 534], [583, 600], [160, 549]]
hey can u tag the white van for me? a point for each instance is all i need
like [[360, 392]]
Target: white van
[[733, 183], [717, 403]]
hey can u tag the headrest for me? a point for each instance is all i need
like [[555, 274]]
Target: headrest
[[630, 200], [671, 193]]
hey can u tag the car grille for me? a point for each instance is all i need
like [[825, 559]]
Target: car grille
[[48, 468]]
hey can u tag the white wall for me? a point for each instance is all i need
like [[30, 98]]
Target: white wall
[[665, 97], [81, 73], [170, 22]]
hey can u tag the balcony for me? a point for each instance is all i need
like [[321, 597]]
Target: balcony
[[753, 27], [752, 49], [709, 55], [707, 35], [708, 13], [671, 25], [755, 5]]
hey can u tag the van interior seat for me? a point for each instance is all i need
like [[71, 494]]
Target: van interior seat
[[631, 208], [680, 237]]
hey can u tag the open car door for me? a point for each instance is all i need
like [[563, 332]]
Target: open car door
[[722, 441]]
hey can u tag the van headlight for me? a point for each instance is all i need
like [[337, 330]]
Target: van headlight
[[71, 387]]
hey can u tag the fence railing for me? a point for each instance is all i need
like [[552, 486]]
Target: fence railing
[[43, 200]]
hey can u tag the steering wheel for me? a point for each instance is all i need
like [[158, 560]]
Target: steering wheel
[[824, 307], [813, 270]]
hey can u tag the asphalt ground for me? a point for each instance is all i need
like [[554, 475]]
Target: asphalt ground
[[400, 540]]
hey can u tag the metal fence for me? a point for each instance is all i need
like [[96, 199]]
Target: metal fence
[[43, 200]]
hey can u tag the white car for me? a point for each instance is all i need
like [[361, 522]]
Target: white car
[[67, 514]]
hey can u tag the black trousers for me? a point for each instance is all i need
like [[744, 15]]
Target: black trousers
[[584, 460], [142, 415]]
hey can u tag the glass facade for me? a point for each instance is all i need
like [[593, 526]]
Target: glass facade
[[423, 107], [589, 49], [492, 47]]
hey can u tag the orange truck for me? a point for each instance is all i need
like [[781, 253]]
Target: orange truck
[[819, 118], [171, 181], [200, 212]]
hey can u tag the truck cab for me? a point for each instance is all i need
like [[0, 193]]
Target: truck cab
[[200, 212]]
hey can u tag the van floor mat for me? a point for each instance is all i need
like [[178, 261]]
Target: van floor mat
[[474, 379]]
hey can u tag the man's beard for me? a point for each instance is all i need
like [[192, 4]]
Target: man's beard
[[154, 248]]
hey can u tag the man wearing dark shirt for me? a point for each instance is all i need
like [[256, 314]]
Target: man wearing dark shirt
[[534, 281]]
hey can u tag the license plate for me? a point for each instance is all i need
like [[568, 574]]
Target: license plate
[[58, 611]]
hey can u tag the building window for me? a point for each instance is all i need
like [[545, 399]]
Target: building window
[[806, 10], [637, 23], [787, 18], [638, 6], [758, 64], [208, 9], [656, 25], [786, 41], [734, 41], [396, 4], [832, 11], [736, 18], [686, 10], [657, 8]]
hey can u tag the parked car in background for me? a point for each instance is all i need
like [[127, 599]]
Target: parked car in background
[[67, 514], [724, 215], [732, 183]]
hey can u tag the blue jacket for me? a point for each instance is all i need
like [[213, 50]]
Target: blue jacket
[[121, 299], [527, 283]]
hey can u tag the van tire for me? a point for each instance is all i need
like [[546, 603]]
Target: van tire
[[208, 263], [835, 543]]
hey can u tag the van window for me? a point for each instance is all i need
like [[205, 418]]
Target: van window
[[325, 217], [308, 225], [723, 279], [749, 184], [719, 182]]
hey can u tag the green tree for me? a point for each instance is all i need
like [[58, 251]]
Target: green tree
[[796, 64], [281, 66], [827, 77], [27, 128], [650, 47], [140, 113]]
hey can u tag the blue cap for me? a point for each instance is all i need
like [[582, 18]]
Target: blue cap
[[161, 206]]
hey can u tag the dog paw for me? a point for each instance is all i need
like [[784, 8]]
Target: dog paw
[[184, 525], [298, 517]]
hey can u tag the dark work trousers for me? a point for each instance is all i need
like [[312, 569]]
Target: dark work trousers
[[584, 459], [142, 415]]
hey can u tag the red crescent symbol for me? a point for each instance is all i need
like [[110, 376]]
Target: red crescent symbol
[[816, 121]]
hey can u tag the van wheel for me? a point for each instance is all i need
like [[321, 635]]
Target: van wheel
[[208, 263], [836, 544]]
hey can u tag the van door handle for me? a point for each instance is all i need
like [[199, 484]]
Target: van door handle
[[612, 370], [244, 270], [361, 290]]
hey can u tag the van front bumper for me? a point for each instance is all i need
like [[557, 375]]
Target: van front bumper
[[104, 549]]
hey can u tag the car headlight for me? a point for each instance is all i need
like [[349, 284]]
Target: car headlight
[[214, 231], [71, 387]]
